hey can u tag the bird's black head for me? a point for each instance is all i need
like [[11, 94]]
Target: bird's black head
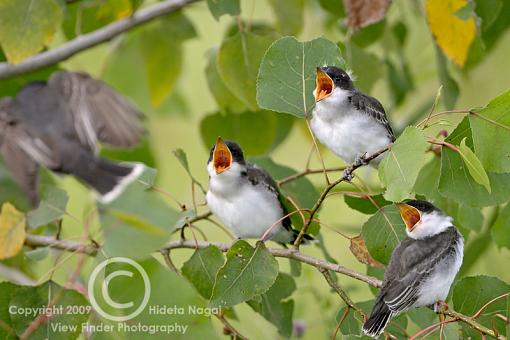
[[224, 153], [329, 78], [423, 206]]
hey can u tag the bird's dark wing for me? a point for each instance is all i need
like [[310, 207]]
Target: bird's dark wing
[[411, 263], [22, 167], [372, 107], [98, 112], [258, 176]]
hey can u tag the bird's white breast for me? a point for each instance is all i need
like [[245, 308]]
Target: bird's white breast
[[346, 131], [249, 211], [437, 285]]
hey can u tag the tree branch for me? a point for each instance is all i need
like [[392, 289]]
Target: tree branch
[[16, 276], [71, 246], [86, 41], [308, 172], [324, 193], [343, 295]]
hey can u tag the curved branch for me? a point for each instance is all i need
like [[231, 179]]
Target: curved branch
[[86, 41]]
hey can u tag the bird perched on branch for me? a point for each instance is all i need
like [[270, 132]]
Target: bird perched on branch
[[347, 121], [58, 124], [422, 267], [245, 197]]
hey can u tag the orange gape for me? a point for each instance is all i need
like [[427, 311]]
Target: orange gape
[[410, 215], [222, 158], [323, 85]]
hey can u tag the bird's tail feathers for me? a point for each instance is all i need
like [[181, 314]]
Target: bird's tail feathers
[[378, 320], [107, 178]]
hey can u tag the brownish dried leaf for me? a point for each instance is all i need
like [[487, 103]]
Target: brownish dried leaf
[[359, 249], [361, 13]]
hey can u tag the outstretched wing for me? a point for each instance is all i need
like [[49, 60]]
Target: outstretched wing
[[411, 263], [258, 176], [372, 107], [98, 112]]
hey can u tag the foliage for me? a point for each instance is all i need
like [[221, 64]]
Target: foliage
[[255, 85]]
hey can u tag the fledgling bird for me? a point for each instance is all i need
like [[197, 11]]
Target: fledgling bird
[[422, 267], [245, 197], [58, 124], [350, 123]]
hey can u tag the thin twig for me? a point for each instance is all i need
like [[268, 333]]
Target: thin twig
[[343, 295], [234, 332], [89, 40]]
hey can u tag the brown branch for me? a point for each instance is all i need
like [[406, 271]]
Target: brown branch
[[36, 241], [475, 325], [325, 192], [229, 329], [92, 39], [16, 276], [343, 295]]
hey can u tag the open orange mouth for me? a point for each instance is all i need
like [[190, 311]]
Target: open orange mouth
[[222, 157], [410, 215], [323, 85]]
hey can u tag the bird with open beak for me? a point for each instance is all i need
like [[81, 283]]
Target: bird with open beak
[[422, 267], [59, 123], [245, 197], [350, 123]]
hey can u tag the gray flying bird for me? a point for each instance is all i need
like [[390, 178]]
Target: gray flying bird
[[347, 121], [245, 197], [422, 267], [58, 124]]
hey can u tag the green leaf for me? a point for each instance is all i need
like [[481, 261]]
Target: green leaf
[[400, 81], [474, 165], [333, 7], [162, 56], [178, 27], [289, 15], [287, 73], [220, 7], [238, 63], [492, 140], [274, 306], [12, 231], [51, 208], [202, 267], [472, 293], [27, 26], [139, 218], [224, 98], [501, 228], [369, 34], [382, 232], [256, 132], [37, 297], [488, 11], [428, 179], [402, 163], [456, 183], [364, 205], [248, 272], [85, 16], [361, 60]]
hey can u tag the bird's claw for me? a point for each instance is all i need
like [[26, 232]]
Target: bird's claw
[[440, 306], [361, 160]]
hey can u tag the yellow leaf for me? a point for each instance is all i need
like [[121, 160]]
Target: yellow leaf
[[12, 231], [27, 26], [453, 35]]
